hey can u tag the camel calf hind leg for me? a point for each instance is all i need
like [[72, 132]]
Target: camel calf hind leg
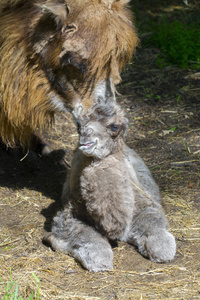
[[150, 235]]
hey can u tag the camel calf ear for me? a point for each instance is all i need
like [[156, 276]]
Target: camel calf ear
[[125, 127], [78, 112], [57, 9]]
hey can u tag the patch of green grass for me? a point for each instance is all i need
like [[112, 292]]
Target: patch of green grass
[[187, 149], [11, 289], [179, 42], [178, 173]]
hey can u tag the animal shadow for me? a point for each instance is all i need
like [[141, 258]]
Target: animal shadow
[[45, 174]]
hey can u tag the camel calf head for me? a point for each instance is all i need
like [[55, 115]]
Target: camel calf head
[[101, 129]]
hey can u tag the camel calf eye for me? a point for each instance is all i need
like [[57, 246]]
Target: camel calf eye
[[114, 127]]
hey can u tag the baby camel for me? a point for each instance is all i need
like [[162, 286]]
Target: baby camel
[[109, 195]]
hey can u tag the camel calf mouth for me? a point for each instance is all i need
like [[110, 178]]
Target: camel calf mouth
[[88, 147]]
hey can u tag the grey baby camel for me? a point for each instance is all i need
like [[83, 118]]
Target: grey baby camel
[[109, 195]]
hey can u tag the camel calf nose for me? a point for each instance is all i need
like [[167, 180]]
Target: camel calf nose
[[86, 131]]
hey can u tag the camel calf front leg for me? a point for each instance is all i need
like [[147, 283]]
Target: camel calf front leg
[[73, 237]]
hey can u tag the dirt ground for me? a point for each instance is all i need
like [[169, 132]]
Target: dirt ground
[[163, 108]]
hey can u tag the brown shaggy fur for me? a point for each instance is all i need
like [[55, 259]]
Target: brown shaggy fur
[[53, 54]]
